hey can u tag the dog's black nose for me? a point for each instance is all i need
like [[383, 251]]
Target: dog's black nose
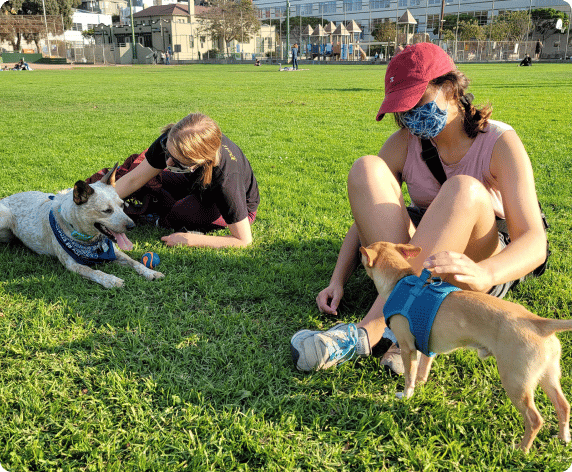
[[130, 225]]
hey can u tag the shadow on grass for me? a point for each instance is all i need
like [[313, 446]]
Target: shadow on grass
[[210, 343]]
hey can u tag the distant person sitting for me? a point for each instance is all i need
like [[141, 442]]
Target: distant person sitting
[[527, 61], [257, 63], [22, 65]]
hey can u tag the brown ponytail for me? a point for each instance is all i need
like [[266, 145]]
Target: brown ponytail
[[476, 119]]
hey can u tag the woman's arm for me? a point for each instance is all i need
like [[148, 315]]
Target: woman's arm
[[511, 167], [135, 179], [240, 236], [329, 298]]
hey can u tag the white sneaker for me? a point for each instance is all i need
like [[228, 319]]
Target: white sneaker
[[315, 350]]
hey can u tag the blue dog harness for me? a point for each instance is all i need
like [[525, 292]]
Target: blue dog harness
[[84, 254], [418, 299]]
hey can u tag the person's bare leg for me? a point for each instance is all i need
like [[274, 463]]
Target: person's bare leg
[[460, 219]]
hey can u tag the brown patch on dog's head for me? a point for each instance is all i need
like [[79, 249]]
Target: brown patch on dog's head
[[81, 192], [109, 178]]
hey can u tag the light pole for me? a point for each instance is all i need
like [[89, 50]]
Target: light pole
[[441, 20], [287, 26], [47, 32], [569, 2], [134, 50]]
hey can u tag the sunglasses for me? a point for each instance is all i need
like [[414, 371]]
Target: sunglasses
[[178, 168]]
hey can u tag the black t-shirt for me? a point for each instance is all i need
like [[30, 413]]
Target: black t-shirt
[[233, 188]]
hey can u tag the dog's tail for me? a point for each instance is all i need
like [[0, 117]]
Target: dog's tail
[[548, 327]]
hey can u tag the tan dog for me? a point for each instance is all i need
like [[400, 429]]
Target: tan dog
[[524, 344]]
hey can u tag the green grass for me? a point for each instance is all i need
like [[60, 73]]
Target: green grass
[[193, 372]]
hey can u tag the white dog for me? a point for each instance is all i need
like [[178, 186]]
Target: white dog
[[78, 227]]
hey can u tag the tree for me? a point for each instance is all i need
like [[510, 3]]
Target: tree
[[471, 30], [513, 25], [450, 24], [23, 19], [227, 20], [544, 21], [385, 31]]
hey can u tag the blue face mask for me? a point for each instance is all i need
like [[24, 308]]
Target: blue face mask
[[426, 121]]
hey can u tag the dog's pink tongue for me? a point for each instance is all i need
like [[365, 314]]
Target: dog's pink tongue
[[122, 241]]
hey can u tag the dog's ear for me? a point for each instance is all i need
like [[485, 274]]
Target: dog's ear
[[370, 254], [408, 250], [109, 178], [81, 192]]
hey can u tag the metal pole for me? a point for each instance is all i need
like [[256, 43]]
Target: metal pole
[[134, 50], [568, 33], [47, 32], [288, 25]]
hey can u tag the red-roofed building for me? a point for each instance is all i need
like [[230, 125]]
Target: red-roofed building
[[163, 28]]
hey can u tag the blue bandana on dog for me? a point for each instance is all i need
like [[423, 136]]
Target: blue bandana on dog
[[84, 254], [418, 299]]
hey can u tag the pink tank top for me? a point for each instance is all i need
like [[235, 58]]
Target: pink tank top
[[423, 187]]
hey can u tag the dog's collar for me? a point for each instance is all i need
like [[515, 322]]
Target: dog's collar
[[84, 254], [74, 233]]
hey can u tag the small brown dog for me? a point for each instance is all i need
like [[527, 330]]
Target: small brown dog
[[524, 344]]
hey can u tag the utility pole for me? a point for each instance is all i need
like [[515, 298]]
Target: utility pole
[[134, 50], [287, 26]]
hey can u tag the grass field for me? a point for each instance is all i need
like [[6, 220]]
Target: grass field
[[193, 372]]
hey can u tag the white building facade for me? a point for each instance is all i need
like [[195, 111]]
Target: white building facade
[[427, 13]]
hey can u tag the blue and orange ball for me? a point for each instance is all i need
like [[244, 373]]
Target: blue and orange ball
[[150, 260]]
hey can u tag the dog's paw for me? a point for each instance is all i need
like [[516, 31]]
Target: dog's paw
[[112, 282], [404, 395], [154, 275]]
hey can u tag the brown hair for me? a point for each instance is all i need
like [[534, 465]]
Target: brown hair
[[476, 119], [197, 138]]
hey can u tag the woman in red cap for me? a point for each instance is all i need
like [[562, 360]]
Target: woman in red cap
[[486, 177]]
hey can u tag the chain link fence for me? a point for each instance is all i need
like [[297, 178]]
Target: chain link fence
[[495, 51]]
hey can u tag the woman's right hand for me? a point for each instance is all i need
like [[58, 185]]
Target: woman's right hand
[[329, 299]]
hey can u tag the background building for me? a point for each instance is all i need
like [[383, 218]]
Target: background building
[[427, 13], [171, 28]]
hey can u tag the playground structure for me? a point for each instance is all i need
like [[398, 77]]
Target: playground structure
[[334, 43]]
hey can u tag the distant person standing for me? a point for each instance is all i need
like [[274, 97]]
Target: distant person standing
[[538, 50], [295, 56], [167, 58]]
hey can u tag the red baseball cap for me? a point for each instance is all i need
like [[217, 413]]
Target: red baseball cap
[[409, 73]]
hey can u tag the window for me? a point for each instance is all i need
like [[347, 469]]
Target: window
[[326, 7], [352, 5], [306, 10], [378, 4], [402, 3], [432, 22], [176, 48], [77, 27], [481, 16], [434, 2]]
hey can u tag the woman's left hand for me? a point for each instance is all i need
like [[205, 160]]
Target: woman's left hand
[[177, 239], [462, 270]]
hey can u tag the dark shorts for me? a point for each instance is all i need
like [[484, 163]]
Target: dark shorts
[[500, 290]]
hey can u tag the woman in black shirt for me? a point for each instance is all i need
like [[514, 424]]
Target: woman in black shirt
[[209, 178]]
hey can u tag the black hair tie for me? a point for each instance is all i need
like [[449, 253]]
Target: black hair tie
[[467, 99]]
